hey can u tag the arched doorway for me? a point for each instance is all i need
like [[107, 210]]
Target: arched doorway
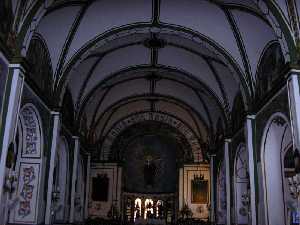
[[241, 186], [61, 181], [277, 139]]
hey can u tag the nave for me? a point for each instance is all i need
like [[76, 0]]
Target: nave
[[154, 112]]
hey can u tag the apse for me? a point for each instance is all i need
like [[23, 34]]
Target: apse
[[152, 154]]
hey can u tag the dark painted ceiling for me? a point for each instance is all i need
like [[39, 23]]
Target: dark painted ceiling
[[190, 59]]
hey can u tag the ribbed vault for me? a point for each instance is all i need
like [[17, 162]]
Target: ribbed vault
[[119, 58]]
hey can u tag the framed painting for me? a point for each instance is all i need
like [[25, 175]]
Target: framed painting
[[199, 191], [100, 188]]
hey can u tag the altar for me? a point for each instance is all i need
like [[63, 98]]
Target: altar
[[149, 208], [154, 221]]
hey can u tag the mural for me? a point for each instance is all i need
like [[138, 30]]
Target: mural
[[28, 193], [28, 165], [31, 133]]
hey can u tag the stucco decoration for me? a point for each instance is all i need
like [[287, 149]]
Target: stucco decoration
[[28, 167], [31, 133]]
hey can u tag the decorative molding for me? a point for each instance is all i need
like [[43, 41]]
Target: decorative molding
[[251, 117]]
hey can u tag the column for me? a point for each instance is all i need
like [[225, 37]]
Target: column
[[87, 187], [11, 106], [55, 138], [250, 141], [294, 105], [74, 177], [212, 189], [228, 181]]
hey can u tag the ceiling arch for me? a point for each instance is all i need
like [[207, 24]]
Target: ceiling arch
[[146, 84], [151, 103], [158, 13], [118, 58], [144, 116]]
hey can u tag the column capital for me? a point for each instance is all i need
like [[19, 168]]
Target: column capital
[[227, 140], [19, 62], [251, 117], [75, 137], [55, 113], [292, 72], [18, 67]]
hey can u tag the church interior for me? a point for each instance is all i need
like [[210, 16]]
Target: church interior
[[159, 112]]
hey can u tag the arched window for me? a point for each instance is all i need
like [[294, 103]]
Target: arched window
[[241, 186], [276, 141]]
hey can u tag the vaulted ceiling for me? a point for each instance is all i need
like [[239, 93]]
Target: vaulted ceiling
[[190, 59]]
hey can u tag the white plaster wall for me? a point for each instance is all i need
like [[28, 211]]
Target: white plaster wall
[[260, 207], [186, 175]]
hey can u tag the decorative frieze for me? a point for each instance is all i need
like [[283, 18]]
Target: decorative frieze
[[157, 117]]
